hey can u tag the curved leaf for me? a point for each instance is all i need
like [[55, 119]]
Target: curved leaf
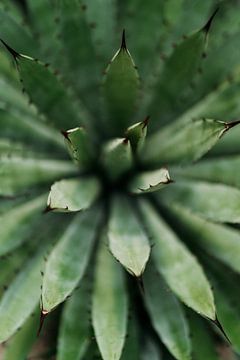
[[167, 316], [109, 309], [136, 134], [18, 174], [127, 240], [183, 143], [71, 195], [150, 181], [214, 202], [20, 345], [120, 91], [117, 157], [21, 298], [74, 336], [68, 260], [220, 241], [179, 267], [18, 222], [47, 92]]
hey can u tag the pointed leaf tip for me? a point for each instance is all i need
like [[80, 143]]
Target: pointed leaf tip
[[217, 323], [123, 44], [207, 26], [13, 52]]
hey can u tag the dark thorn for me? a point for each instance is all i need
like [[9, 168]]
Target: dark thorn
[[141, 285], [125, 141], [219, 326], [47, 209], [42, 273], [84, 7], [207, 27], [146, 122], [228, 126], [43, 316], [65, 134], [123, 44], [14, 53]]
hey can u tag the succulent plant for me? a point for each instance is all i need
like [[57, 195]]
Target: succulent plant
[[120, 198]]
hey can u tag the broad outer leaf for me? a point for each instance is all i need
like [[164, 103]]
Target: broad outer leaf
[[127, 240], [183, 143], [117, 157], [177, 73], [178, 266], [18, 222], [21, 298], [71, 195], [109, 308], [150, 181], [19, 174], [214, 202], [167, 315], [120, 92], [74, 336], [220, 241], [79, 146], [47, 92], [68, 260], [217, 170], [21, 343]]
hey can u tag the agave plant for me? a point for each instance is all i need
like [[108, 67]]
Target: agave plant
[[128, 234]]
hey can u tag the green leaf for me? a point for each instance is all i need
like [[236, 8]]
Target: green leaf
[[74, 336], [17, 35], [183, 143], [120, 91], [19, 174], [28, 129], [18, 223], [101, 16], [214, 202], [71, 195], [68, 260], [81, 62], [177, 265], [167, 316], [117, 157], [219, 170], [228, 310], [203, 346], [21, 298], [47, 92], [20, 345], [136, 134], [220, 241], [79, 146], [177, 73], [127, 240], [110, 303], [42, 15], [150, 181], [131, 346]]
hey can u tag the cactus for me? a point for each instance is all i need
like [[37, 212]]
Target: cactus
[[119, 180]]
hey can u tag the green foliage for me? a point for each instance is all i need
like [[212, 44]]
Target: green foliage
[[146, 277]]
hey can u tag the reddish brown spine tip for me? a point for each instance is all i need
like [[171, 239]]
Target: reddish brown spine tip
[[146, 122], [208, 25], [13, 52], [65, 134], [231, 124], [125, 141], [47, 209], [123, 44], [43, 316]]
